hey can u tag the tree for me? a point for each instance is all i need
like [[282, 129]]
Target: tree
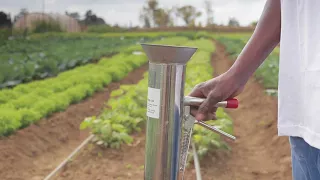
[[209, 12], [153, 16], [153, 6], [233, 22], [145, 17], [5, 20], [254, 23], [88, 14], [162, 17], [92, 19], [74, 15], [189, 14], [148, 13], [146, 21], [22, 13]]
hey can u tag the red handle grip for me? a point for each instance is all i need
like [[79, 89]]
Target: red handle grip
[[194, 101], [232, 103]]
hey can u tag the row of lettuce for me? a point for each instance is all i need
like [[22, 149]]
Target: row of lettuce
[[267, 73], [126, 112], [27, 103]]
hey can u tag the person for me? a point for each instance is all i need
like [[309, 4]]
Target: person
[[295, 24]]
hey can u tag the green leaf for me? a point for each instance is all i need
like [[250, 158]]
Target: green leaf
[[126, 138], [106, 131], [118, 128], [86, 123], [115, 93]]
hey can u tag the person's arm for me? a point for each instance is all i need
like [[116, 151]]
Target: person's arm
[[265, 38]]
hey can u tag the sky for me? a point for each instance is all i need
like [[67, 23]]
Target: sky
[[126, 12]]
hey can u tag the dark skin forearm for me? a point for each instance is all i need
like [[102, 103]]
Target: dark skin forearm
[[264, 39]]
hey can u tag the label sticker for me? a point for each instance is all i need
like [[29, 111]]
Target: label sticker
[[153, 105]]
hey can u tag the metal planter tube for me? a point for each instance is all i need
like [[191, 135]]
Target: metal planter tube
[[168, 131]]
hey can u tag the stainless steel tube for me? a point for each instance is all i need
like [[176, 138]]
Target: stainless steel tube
[[163, 133], [165, 110]]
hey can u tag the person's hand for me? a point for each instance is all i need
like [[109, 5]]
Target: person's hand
[[214, 90]]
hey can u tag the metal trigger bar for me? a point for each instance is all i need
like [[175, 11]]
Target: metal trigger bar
[[214, 129]]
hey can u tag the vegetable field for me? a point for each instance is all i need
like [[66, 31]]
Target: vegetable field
[[23, 60], [58, 89]]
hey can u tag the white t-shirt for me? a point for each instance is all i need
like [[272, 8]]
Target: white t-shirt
[[299, 74]]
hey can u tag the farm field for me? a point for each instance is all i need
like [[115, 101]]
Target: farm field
[[42, 56], [100, 88]]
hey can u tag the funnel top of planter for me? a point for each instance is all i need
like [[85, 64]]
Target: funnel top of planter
[[166, 54]]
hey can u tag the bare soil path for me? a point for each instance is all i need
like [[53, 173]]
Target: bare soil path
[[258, 153]]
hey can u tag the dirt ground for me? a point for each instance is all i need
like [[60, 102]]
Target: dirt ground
[[257, 154], [32, 153]]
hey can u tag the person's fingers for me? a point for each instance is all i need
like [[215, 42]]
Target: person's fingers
[[196, 91], [194, 111], [208, 106], [211, 115]]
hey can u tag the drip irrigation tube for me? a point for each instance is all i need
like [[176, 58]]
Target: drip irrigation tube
[[196, 162], [69, 157], [58, 168]]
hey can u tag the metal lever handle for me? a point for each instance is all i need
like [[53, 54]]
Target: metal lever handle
[[214, 129], [194, 101], [229, 103]]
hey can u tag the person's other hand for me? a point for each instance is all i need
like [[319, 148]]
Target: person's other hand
[[214, 90]]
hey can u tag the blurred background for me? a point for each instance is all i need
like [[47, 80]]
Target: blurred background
[[34, 16]]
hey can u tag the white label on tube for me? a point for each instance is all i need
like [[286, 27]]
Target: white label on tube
[[153, 105]]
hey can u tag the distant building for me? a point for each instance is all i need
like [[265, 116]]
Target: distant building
[[66, 22]]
